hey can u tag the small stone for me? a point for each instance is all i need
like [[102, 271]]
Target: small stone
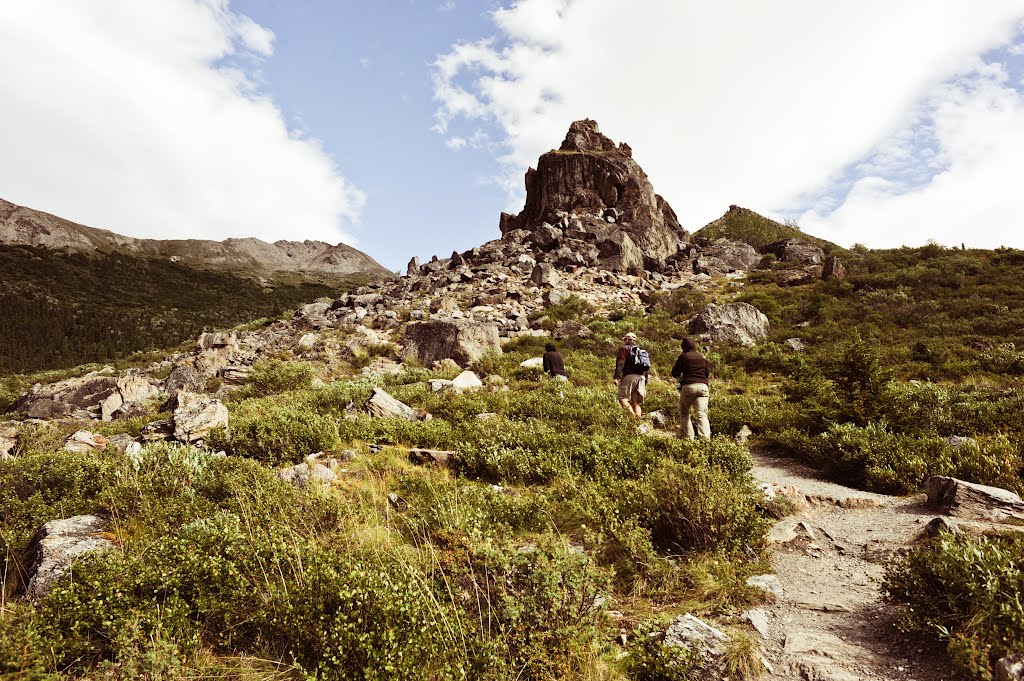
[[767, 583]]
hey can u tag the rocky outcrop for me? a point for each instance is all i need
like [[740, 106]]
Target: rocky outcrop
[[463, 341], [591, 193], [736, 323], [796, 250], [84, 441], [56, 545], [74, 397], [725, 256]]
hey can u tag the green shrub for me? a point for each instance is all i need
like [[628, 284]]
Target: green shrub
[[38, 488], [276, 433], [273, 376], [651, 659], [963, 589], [879, 460], [692, 509]]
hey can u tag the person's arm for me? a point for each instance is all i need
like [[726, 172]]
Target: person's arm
[[620, 362], [547, 363], [677, 368]]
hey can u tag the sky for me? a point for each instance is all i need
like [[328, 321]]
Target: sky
[[404, 127]]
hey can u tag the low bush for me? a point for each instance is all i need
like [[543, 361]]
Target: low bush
[[273, 376], [876, 459], [276, 433], [963, 589]]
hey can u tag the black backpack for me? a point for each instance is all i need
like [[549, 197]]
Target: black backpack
[[638, 359]]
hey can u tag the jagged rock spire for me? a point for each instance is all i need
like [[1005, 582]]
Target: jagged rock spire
[[594, 192]]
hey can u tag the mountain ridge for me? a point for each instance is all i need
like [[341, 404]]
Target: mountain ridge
[[22, 226]]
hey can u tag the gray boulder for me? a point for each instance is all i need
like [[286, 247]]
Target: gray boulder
[[196, 415], [1010, 668], [694, 634], [302, 474], [796, 250], [545, 274], [460, 340], [736, 323], [833, 269], [382, 405], [56, 545]]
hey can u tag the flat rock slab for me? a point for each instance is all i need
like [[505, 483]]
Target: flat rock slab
[[969, 500], [383, 405]]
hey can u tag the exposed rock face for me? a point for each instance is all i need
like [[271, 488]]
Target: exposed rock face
[[590, 191], [708, 642], [462, 341], [739, 323], [196, 416], [55, 545], [1010, 668], [727, 256], [796, 250], [73, 397]]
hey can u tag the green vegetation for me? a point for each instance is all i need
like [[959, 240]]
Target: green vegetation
[[967, 591], [60, 310], [557, 523], [751, 228]]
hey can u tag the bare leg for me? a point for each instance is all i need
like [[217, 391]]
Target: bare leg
[[626, 406], [637, 410]]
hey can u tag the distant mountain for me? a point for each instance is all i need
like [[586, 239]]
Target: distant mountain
[[744, 225], [21, 226]]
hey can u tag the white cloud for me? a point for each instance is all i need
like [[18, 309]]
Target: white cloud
[[765, 105], [446, 6], [137, 116], [972, 196], [455, 143]]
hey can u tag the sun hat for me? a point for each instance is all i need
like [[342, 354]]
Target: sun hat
[[629, 336]]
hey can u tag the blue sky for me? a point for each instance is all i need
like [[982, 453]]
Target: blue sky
[[405, 126]]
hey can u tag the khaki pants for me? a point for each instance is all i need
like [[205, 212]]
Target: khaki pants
[[694, 395]]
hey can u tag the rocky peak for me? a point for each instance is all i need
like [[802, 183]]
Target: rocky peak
[[590, 194]]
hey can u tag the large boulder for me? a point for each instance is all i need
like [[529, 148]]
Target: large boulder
[[594, 190], [736, 323], [833, 269], [196, 415], [727, 256], [55, 545], [8, 439], [461, 340], [382, 405]]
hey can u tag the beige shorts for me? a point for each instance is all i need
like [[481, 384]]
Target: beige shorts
[[633, 387]]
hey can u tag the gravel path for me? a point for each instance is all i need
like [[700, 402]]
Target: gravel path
[[829, 624]]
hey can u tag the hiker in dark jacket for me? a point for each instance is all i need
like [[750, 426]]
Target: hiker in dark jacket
[[632, 379], [553, 363], [693, 371]]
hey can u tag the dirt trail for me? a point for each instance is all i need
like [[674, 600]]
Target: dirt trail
[[829, 623]]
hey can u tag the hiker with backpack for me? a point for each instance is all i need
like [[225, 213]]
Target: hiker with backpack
[[632, 364], [693, 371]]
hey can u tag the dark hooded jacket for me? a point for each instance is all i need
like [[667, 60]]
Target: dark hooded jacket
[[691, 367]]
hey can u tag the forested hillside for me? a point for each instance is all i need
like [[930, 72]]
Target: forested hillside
[[59, 310]]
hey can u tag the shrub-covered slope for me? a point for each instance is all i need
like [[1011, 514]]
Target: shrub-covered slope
[[60, 310], [743, 224]]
